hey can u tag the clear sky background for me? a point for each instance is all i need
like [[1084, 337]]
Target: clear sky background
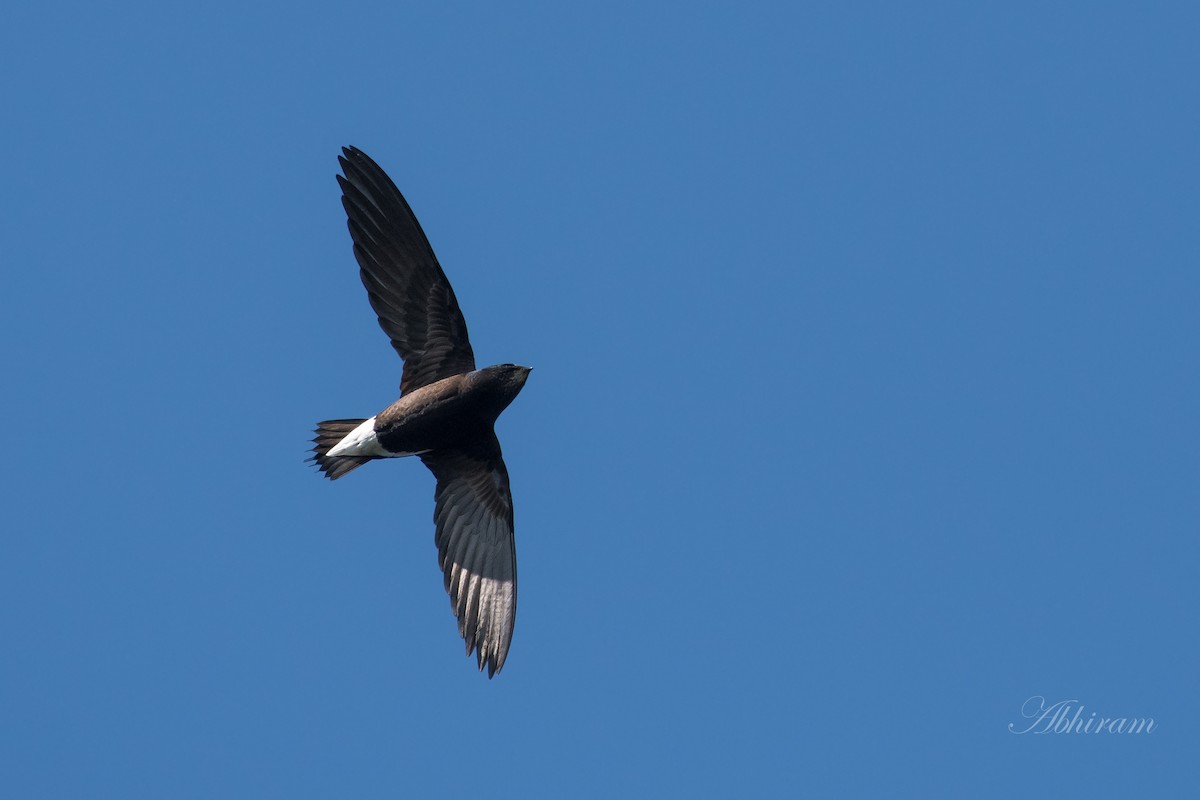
[[864, 403]]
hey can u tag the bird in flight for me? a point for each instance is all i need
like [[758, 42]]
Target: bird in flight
[[446, 413]]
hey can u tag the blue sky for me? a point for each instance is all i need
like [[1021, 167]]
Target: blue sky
[[863, 407]]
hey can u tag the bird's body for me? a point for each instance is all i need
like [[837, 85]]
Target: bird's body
[[437, 416], [446, 412]]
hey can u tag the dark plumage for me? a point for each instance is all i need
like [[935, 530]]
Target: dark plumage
[[446, 412]]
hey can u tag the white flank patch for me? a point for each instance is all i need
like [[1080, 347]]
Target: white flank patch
[[362, 442]]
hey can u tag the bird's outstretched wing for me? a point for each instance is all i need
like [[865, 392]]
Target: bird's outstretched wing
[[408, 290], [474, 517]]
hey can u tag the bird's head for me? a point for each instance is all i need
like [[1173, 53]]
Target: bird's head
[[513, 375], [503, 379]]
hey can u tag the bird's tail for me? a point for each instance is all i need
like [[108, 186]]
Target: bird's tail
[[329, 433]]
